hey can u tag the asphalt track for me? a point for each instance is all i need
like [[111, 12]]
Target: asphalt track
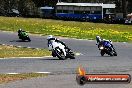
[[63, 72]]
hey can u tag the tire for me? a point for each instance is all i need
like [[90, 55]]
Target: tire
[[71, 55], [111, 54], [102, 53], [115, 54], [23, 39], [20, 37], [110, 51], [28, 39], [58, 54]]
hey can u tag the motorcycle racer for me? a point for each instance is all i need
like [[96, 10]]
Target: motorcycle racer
[[101, 41], [50, 38], [23, 35], [20, 31]]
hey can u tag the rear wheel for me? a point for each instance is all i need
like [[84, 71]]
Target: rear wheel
[[23, 39], [28, 39], [111, 53], [115, 54], [70, 54]]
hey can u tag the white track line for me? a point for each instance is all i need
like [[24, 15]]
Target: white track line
[[77, 54], [43, 72], [13, 73], [25, 57]]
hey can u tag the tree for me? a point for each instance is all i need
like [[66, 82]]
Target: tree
[[40, 3], [27, 8], [6, 6], [124, 8]]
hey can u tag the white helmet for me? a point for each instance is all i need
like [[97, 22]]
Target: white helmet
[[49, 37], [20, 29], [104, 39]]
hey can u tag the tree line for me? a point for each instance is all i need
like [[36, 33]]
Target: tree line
[[30, 7]]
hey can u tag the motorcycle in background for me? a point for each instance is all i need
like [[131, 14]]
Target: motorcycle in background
[[24, 36], [106, 48]]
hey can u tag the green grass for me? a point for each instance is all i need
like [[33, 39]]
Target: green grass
[[81, 30], [10, 51], [5, 78]]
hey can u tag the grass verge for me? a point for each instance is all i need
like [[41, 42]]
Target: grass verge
[[11, 51], [6, 78], [81, 30]]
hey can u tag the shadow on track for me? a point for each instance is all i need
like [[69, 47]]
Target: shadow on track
[[97, 56], [50, 59], [18, 41], [54, 59]]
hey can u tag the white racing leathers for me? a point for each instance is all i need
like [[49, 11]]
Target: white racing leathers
[[52, 45]]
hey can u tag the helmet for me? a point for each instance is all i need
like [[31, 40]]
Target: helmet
[[49, 37], [98, 39], [110, 41], [104, 39], [20, 30]]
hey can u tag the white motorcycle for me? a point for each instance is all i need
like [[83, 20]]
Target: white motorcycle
[[60, 51]]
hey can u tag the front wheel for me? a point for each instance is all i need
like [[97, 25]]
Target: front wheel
[[102, 53]]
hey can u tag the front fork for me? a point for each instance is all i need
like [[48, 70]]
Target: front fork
[[64, 51]]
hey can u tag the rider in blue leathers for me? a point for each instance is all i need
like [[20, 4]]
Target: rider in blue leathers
[[102, 41]]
